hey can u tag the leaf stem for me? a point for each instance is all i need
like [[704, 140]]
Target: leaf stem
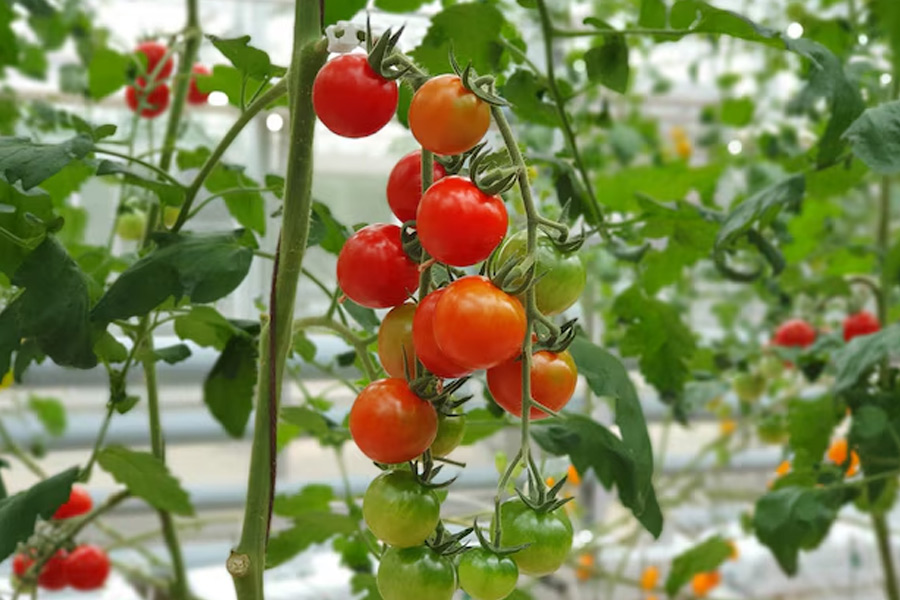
[[164, 174], [101, 437], [192, 37], [359, 344], [13, 448]]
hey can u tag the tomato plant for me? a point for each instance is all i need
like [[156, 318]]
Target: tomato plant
[[399, 510]]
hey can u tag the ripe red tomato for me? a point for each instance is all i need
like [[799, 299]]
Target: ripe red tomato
[[478, 325], [861, 323], [53, 573], [553, 379], [446, 118], [427, 349], [404, 187], [795, 333], [374, 271], [395, 341], [21, 564], [390, 424], [155, 102], [351, 99], [79, 503], [87, 568], [195, 96], [458, 224], [154, 51]]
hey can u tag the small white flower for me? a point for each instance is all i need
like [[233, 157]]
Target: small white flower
[[343, 37]]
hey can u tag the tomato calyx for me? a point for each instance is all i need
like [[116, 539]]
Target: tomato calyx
[[445, 544], [434, 390], [382, 50], [492, 172], [482, 87], [409, 241], [494, 547], [514, 276], [552, 337], [542, 499]]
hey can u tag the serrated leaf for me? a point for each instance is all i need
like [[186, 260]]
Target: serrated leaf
[[309, 528], [326, 231], [702, 558], [146, 477], [19, 513], [526, 93], [475, 30], [246, 58], [233, 83], [228, 389], [205, 326], [875, 138], [107, 72], [50, 412], [31, 162], [202, 268], [761, 207], [24, 218], [311, 498], [862, 353], [794, 518], [810, 424], [607, 64]]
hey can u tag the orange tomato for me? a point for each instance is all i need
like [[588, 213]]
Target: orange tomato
[[649, 578], [837, 453], [574, 477], [703, 583]]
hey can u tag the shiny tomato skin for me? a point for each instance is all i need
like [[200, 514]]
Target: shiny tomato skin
[[427, 349], [487, 576], [450, 432], [861, 323], [87, 568], [795, 333], [79, 503], [374, 271], [446, 118], [417, 573], [154, 51], [404, 187], [195, 96], [458, 224], [562, 277], [390, 424], [478, 325], [155, 102], [351, 99], [395, 341], [549, 535], [53, 573], [553, 379], [399, 510]]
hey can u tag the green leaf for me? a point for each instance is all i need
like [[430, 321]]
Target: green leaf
[[169, 194], [311, 498], [862, 353], [737, 112], [480, 424], [53, 309], [526, 93], [146, 477], [399, 6], [205, 326], [326, 231], [303, 346], [9, 50], [761, 207], [362, 315], [810, 424], [341, 10], [107, 72], [172, 354], [794, 518], [590, 445], [31, 163], [672, 181], [315, 424], [233, 83], [607, 64], [228, 389], [50, 412], [653, 15], [19, 513], [247, 207], [702, 558], [24, 219], [313, 527], [200, 267], [66, 182], [32, 61], [246, 58], [108, 348], [656, 334], [474, 29], [875, 138]]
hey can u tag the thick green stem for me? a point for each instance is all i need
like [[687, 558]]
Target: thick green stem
[[883, 535], [274, 93], [192, 37], [247, 561]]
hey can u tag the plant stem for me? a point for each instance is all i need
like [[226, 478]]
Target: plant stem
[[101, 436], [883, 535], [13, 448], [359, 344], [247, 561], [274, 93], [192, 37], [164, 174], [596, 215]]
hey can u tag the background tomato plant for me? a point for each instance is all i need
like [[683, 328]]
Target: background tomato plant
[[769, 199]]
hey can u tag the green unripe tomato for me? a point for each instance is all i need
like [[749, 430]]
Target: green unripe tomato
[[562, 277], [487, 576], [417, 573], [449, 434], [399, 510], [170, 215], [749, 387], [772, 429], [771, 367], [131, 226], [548, 533]]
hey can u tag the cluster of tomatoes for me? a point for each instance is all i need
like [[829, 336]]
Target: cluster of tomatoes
[[153, 99], [798, 333], [465, 324], [82, 567]]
